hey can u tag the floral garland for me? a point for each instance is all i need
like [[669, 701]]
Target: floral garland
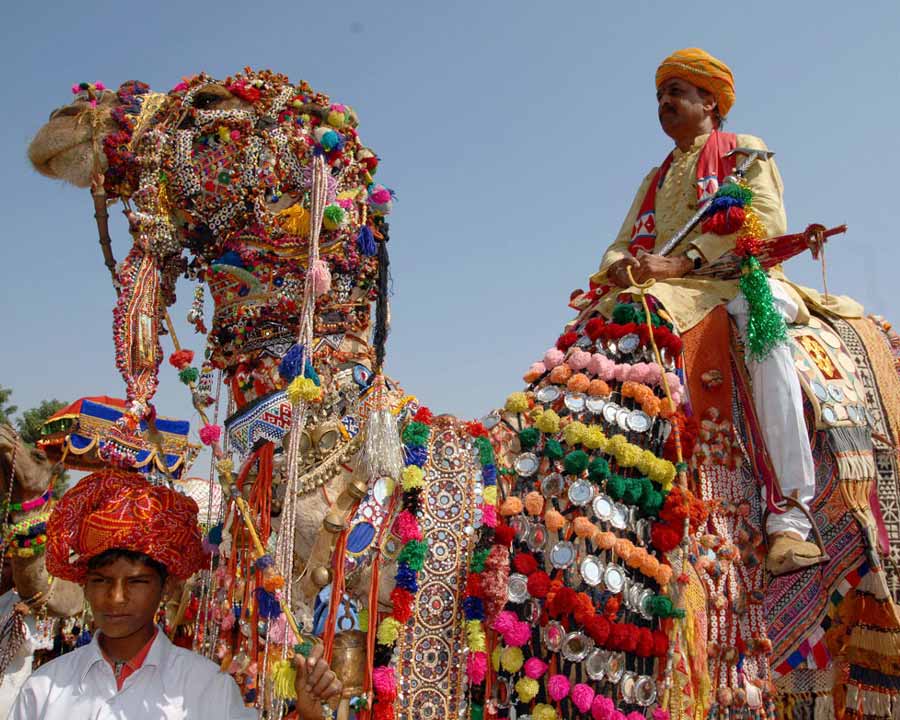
[[409, 562], [477, 590]]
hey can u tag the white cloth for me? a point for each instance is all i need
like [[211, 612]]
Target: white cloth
[[20, 667], [778, 400], [172, 684]]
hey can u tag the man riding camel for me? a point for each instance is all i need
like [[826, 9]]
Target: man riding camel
[[695, 92], [126, 542]]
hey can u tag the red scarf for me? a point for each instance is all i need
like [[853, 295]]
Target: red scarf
[[712, 168]]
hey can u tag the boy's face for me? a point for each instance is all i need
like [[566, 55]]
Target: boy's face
[[124, 596]]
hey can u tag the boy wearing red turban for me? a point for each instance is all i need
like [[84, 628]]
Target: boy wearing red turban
[[126, 541]]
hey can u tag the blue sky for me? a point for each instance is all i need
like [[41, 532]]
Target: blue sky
[[514, 133]]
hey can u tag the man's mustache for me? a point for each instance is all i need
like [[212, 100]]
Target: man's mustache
[[666, 109]]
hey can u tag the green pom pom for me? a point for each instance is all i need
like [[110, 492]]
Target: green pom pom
[[528, 438], [415, 434], [633, 491], [478, 559], [485, 450], [334, 215], [576, 462], [652, 502], [413, 554], [477, 712], [189, 375], [552, 449], [660, 605], [615, 487], [765, 325], [743, 194], [598, 469], [624, 314]]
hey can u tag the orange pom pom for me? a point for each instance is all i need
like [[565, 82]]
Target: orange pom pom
[[579, 382], [584, 528], [534, 503], [554, 520], [511, 506], [605, 540], [560, 374], [663, 575], [666, 408], [598, 388], [623, 548]]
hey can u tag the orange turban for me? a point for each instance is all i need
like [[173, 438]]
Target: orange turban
[[702, 70], [118, 509]]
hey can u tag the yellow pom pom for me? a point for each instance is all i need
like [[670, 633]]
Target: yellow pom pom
[[475, 636], [362, 619], [615, 444], [574, 433], [388, 631], [646, 461], [548, 422], [303, 389], [526, 689], [294, 220], [495, 659], [336, 119], [412, 477], [542, 711], [511, 659], [662, 472], [489, 495], [517, 402], [284, 676], [594, 438], [628, 455]]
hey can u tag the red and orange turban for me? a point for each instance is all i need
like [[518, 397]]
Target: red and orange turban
[[702, 70], [117, 509]]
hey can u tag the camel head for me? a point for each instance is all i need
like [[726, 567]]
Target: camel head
[[33, 470]]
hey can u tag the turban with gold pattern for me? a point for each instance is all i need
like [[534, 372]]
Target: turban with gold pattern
[[702, 70], [117, 509]]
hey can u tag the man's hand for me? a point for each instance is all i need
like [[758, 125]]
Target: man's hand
[[315, 681], [618, 273], [657, 267]]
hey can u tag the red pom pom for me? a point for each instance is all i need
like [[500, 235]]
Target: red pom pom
[[423, 415], [630, 637], [725, 221], [660, 644], [504, 535], [566, 340], [598, 628], [476, 429], [562, 603], [746, 245], [664, 538], [402, 600], [611, 608], [538, 584], [473, 585], [644, 642], [525, 563], [594, 328], [618, 635], [688, 428], [180, 359]]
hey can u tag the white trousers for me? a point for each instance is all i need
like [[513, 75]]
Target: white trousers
[[778, 399]]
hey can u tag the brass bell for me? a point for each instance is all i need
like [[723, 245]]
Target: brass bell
[[321, 576], [348, 660], [357, 488]]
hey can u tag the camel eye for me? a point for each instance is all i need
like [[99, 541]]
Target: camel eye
[[67, 111], [205, 100]]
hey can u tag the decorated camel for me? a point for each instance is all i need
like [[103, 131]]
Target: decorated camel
[[593, 547]]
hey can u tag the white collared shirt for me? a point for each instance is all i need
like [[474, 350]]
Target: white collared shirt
[[172, 684]]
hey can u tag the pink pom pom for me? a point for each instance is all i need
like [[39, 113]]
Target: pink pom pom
[[583, 696], [76, 89], [634, 715], [380, 196], [384, 682], [535, 668], [602, 708], [489, 515], [618, 715], [280, 633], [601, 366], [674, 382], [476, 667], [227, 622], [537, 369], [619, 372], [553, 357], [210, 434], [321, 277], [99, 86], [407, 527], [504, 621], [558, 687], [518, 634], [660, 714], [579, 359]]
